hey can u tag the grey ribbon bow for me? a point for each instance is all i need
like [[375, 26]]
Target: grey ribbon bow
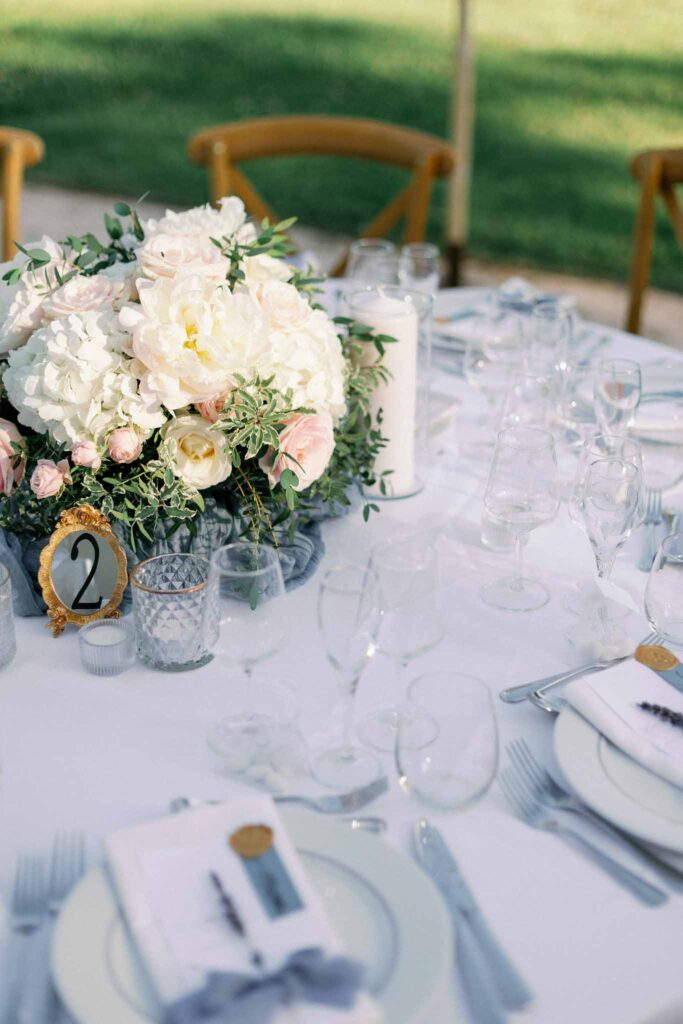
[[306, 976]]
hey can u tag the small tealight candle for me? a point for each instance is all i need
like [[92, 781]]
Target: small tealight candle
[[107, 647]]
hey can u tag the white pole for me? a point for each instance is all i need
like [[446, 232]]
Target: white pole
[[462, 127]]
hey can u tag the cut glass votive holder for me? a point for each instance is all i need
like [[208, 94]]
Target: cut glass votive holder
[[8, 645], [107, 646], [175, 612]]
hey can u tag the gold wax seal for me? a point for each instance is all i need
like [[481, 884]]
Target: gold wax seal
[[252, 841], [656, 657]]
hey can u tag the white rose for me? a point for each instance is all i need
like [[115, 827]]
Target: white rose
[[191, 337], [80, 295], [197, 451], [284, 306], [258, 269], [168, 255], [201, 221]]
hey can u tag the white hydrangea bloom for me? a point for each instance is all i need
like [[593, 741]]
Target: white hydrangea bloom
[[74, 380]]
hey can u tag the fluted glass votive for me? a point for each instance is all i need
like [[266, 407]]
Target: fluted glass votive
[[174, 626], [107, 646], [8, 645]]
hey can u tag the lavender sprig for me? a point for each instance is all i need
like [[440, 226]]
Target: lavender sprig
[[666, 714], [233, 918]]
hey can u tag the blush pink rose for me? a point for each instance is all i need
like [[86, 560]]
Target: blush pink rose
[[49, 477], [212, 408], [124, 445], [12, 466], [306, 446], [85, 453]]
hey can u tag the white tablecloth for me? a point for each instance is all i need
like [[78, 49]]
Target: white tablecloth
[[80, 752]]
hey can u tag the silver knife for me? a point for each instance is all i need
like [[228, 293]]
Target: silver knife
[[435, 857]]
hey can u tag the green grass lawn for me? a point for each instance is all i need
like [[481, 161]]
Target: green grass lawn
[[567, 90]]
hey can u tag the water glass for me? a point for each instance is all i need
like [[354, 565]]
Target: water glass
[[576, 402], [528, 402], [370, 262], [418, 267], [457, 767], [494, 351], [175, 618], [664, 591], [551, 336], [8, 647], [617, 393]]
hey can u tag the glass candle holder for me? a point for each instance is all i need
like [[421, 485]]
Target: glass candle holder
[[107, 646], [8, 645], [174, 611], [404, 398]]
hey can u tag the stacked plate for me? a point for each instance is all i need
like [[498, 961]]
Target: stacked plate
[[622, 791]]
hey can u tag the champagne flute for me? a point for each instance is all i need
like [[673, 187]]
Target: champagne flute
[[522, 493], [617, 392], [407, 581], [349, 618]]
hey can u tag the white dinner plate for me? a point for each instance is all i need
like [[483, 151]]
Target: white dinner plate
[[616, 786], [385, 910]]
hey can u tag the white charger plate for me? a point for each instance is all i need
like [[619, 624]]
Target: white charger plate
[[386, 911], [617, 787]]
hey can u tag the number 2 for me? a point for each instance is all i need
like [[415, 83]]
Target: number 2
[[79, 605]]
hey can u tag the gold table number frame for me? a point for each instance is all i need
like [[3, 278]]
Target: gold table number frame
[[92, 526]]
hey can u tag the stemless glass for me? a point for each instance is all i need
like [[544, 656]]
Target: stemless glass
[[457, 767], [349, 618], [407, 587], [418, 267], [253, 625], [522, 493], [7, 637], [551, 336], [664, 591], [618, 387], [366, 264]]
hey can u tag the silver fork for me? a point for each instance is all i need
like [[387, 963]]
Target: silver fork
[[652, 519], [26, 916], [531, 811], [340, 803], [552, 795]]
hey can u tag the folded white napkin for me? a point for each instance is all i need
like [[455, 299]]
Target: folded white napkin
[[609, 701], [161, 878]]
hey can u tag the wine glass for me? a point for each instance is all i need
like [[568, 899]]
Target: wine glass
[[551, 336], [419, 267], [522, 493], [248, 592], [407, 582], [609, 507], [664, 591], [617, 393], [458, 765], [349, 618], [576, 403], [528, 401], [494, 350]]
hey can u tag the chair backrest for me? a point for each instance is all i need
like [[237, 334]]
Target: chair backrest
[[18, 149], [222, 147], [658, 171]]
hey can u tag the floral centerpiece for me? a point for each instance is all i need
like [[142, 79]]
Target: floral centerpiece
[[179, 367]]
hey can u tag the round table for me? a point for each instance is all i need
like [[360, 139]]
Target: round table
[[96, 754]]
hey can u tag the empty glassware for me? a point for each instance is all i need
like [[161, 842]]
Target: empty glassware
[[664, 591], [7, 636], [618, 388]]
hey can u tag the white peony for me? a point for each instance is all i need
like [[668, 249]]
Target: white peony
[[190, 337], [74, 381], [258, 269], [285, 307], [169, 255], [201, 221], [197, 451]]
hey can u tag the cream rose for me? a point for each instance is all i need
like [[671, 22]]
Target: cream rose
[[80, 295], [261, 268], [197, 451], [306, 446], [49, 477], [284, 306], [170, 255], [12, 466]]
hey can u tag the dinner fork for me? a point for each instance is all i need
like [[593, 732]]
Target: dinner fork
[[330, 803], [26, 915], [520, 797], [652, 519], [552, 795]]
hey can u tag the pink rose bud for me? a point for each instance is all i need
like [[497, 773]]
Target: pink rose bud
[[124, 445], [306, 446], [12, 466], [49, 477], [212, 408], [84, 453]]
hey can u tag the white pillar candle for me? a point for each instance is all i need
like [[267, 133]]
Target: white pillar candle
[[386, 314]]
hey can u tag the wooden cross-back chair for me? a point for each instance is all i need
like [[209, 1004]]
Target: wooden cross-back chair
[[18, 149], [658, 171], [222, 147]]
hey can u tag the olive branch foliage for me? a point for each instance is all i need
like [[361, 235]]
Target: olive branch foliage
[[147, 494]]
